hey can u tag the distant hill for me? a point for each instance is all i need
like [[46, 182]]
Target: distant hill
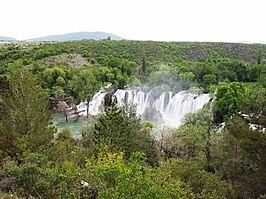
[[7, 38], [78, 36]]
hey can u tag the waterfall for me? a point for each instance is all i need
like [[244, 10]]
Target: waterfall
[[167, 108], [95, 105]]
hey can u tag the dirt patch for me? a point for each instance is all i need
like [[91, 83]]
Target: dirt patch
[[68, 60]]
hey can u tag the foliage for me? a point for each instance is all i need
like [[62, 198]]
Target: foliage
[[24, 115], [131, 179], [204, 184], [255, 103], [239, 156], [86, 82], [230, 98], [208, 80], [192, 140], [121, 130], [234, 70]]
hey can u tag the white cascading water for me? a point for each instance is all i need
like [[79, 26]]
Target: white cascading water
[[167, 108], [95, 105]]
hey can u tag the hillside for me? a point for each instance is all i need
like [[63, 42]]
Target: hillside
[[2, 38], [169, 52], [78, 36], [137, 51]]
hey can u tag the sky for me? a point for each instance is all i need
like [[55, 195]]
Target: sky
[[159, 20]]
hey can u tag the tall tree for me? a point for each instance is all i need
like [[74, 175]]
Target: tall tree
[[122, 130], [24, 116]]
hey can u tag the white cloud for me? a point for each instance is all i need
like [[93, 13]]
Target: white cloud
[[167, 20]]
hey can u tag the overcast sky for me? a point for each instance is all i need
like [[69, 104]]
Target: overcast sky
[[161, 20]]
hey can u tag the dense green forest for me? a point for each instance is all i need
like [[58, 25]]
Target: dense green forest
[[117, 155]]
